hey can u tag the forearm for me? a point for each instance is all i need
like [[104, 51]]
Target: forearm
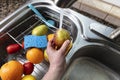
[[53, 74]]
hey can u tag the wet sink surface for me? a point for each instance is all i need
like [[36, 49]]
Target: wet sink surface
[[93, 63], [88, 69]]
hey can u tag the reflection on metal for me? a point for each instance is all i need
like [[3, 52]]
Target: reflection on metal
[[115, 33], [64, 3]]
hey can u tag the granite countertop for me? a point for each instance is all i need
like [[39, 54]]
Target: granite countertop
[[9, 6]]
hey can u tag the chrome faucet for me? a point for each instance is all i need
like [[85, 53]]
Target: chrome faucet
[[64, 3], [115, 34]]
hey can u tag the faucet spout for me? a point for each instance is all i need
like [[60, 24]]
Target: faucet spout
[[64, 3]]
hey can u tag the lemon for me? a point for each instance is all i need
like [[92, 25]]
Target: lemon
[[29, 77], [46, 56]]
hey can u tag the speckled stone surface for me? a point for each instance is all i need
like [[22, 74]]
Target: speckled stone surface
[[9, 6]]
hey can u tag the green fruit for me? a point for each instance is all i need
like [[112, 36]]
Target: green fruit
[[60, 36], [40, 30]]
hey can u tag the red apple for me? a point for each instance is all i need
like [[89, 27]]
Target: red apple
[[23, 44], [13, 48], [28, 68]]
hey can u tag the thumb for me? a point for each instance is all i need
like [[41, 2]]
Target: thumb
[[64, 46]]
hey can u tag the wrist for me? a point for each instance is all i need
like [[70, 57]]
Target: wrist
[[56, 68], [53, 73]]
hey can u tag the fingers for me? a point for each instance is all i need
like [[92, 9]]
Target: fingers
[[49, 46], [61, 50], [64, 46]]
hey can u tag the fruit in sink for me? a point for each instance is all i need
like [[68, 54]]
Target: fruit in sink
[[40, 30], [67, 50], [12, 70], [22, 44], [69, 47], [28, 68], [50, 37], [60, 36], [35, 55], [46, 56], [29, 77], [13, 48]]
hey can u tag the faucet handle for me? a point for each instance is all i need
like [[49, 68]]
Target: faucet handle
[[114, 34]]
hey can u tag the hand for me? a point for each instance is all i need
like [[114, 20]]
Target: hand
[[57, 61], [57, 57]]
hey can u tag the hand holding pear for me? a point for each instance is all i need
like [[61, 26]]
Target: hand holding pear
[[60, 36]]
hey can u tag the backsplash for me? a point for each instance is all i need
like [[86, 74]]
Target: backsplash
[[102, 9], [113, 2]]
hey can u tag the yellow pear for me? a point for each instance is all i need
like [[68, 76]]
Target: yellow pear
[[60, 36], [40, 30]]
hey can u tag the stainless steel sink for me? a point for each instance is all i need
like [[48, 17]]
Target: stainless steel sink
[[94, 56], [93, 62], [98, 48]]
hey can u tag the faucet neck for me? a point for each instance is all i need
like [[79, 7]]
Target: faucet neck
[[64, 3]]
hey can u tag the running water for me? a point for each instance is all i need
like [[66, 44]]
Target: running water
[[61, 19]]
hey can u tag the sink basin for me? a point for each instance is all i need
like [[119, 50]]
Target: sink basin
[[93, 62]]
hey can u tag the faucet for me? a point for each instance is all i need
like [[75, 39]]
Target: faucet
[[64, 3], [115, 34]]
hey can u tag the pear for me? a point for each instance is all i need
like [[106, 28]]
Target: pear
[[66, 52], [68, 48], [60, 36], [40, 30]]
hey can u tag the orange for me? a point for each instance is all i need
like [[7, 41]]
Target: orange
[[50, 36], [35, 55], [11, 70]]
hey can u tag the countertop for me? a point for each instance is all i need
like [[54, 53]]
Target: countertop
[[108, 10], [9, 6]]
